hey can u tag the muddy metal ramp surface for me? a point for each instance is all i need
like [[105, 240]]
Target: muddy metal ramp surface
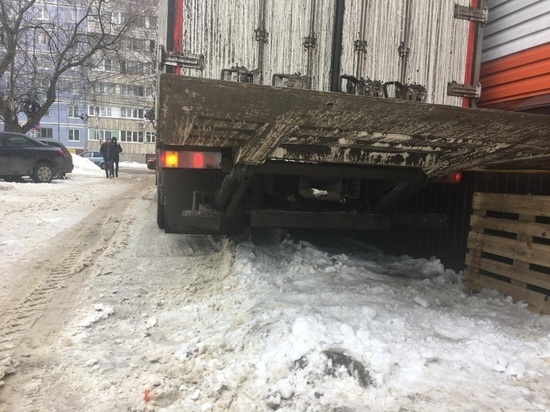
[[309, 126]]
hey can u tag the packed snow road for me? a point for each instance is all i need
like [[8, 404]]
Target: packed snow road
[[101, 311]]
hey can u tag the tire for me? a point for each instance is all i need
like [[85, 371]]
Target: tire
[[42, 173], [102, 165], [160, 212]]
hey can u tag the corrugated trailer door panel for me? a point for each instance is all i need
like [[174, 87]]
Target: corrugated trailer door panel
[[436, 43], [438, 48], [224, 31], [289, 24]]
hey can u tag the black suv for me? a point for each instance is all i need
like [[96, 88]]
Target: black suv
[[21, 155], [68, 157]]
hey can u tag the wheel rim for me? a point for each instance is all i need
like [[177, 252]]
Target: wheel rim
[[44, 174]]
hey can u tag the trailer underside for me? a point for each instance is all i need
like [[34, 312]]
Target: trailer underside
[[300, 158]]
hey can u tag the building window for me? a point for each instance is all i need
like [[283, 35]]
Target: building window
[[100, 111], [105, 88], [74, 135], [106, 65], [93, 110], [41, 38], [116, 17], [131, 113], [132, 90], [131, 137], [93, 134], [45, 133], [150, 137], [150, 22], [149, 91], [109, 134], [74, 112], [42, 13], [125, 136], [134, 67]]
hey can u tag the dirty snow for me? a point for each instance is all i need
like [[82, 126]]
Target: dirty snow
[[296, 327]]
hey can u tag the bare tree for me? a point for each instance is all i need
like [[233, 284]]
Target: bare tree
[[41, 43]]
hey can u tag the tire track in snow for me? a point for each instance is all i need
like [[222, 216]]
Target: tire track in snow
[[56, 277]]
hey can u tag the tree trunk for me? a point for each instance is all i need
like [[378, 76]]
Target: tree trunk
[[11, 124]]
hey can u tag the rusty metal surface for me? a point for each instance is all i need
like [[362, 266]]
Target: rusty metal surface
[[308, 126]]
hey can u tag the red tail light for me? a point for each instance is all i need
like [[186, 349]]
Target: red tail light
[[452, 178], [198, 160], [173, 159]]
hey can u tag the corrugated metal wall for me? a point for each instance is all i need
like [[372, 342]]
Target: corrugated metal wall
[[224, 31], [514, 26], [515, 73]]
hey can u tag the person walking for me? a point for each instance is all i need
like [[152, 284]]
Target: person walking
[[106, 150], [116, 152]]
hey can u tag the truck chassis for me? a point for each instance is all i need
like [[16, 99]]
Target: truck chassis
[[282, 157]]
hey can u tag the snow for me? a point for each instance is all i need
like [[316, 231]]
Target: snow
[[297, 327]]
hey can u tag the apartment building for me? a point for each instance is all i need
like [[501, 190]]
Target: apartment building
[[112, 96]]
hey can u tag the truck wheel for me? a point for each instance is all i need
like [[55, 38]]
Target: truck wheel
[[160, 212], [42, 173]]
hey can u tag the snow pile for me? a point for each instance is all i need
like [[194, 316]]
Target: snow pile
[[194, 323]]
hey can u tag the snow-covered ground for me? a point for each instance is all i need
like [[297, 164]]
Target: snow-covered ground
[[298, 327]]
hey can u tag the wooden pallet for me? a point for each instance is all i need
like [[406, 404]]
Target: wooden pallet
[[509, 247]]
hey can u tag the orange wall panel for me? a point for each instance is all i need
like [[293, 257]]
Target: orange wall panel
[[516, 77]]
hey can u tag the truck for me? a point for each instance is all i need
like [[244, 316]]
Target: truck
[[321, 114]]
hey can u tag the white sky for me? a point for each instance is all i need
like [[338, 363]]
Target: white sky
[[290, 328]]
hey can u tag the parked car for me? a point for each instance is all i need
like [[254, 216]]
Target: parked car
[[68, 157], [21, 155], [95, 157], [152, 163]]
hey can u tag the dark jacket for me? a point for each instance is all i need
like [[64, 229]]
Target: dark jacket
[[118, 149], [109, 151]]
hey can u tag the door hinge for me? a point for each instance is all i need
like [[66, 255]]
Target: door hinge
[[471, 13], [472, 91], [187, 60]]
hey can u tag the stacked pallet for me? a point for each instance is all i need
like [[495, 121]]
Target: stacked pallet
[[509, 247]]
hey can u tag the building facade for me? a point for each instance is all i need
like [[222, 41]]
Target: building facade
[[112, 95]]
